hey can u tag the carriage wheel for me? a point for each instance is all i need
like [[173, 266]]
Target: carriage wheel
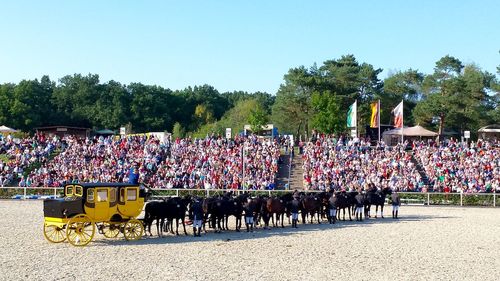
[[80, 230], [53, 233], [110, 229], [133, 230]]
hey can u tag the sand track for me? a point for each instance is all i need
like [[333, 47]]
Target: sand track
[[427, 243]]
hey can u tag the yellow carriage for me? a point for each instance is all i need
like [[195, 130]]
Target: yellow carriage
[[112, 208]]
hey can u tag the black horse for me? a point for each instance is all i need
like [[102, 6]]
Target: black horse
[[311, 205], [176, 210], [233, 207], [166, 210], [154, 210], [377, 198], [345, 200]]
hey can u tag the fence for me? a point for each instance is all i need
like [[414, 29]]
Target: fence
[[407, 198]]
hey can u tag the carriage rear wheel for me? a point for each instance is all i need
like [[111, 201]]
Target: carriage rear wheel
[[53, 233], [110, 229], [133, 230], [80, 230]]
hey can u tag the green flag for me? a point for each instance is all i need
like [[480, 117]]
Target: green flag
[[351, 115]]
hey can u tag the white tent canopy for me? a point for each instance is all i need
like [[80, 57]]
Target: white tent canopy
[[417, 131], [5, 129], [489, 132], [490, 129]]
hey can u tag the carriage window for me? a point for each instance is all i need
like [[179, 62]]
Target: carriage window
[[78, 190], [69, 190], [112, 195], [131, 194], [122, 195], [102, 195], [90, 195]]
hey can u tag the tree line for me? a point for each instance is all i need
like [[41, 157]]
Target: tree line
[[454, 97]]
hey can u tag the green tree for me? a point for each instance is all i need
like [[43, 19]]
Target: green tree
[[405, 86], [351, 81], [178, 131], [257, 119], [235, 118], [149, 108], [328, 116], [30, 104], [6, 98], [291, 111], [74, 99], [442, 90], [112, 107]]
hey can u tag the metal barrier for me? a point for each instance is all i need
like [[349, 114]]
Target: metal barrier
[[30, 192], [428, 198]]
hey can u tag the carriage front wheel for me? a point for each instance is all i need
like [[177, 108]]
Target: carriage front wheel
[[54, 234], [133, 230], [80, 230]]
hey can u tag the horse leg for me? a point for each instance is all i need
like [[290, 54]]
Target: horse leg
[[350, 217], [319, 214], [171, 225], [382, 210], [303, 217], [148, 226], [282, 220], [158, 230], [176, 226], [376, 210], [184, 226], [238, 223]]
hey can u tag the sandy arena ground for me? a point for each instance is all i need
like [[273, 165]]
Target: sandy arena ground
[[426, 243]]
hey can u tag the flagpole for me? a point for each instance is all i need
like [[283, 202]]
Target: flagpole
[[402, 121], [378, 120]]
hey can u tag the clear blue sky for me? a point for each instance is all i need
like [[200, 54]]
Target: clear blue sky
[[237, 45]]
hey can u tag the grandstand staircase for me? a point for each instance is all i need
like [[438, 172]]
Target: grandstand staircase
[[295, 171], [421, 171]]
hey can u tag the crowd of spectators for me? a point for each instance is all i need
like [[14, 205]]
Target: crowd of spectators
[[352, 164], [213, 162], [100, 159], [209, 163], [19, 154], [453, 166]]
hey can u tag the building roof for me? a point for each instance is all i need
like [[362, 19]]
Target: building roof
[[67, 127]]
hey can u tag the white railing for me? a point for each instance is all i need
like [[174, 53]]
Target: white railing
[[427, 198]]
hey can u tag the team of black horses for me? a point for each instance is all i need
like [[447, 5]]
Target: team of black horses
[[265, 209]]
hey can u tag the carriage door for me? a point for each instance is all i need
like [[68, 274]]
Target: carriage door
[[101, 204], [129, 204]]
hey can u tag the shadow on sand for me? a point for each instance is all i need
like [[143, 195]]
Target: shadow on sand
[[259, 233]]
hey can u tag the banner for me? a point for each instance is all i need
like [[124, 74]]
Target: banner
[[351, 115], [398, 115], [374, 122]]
